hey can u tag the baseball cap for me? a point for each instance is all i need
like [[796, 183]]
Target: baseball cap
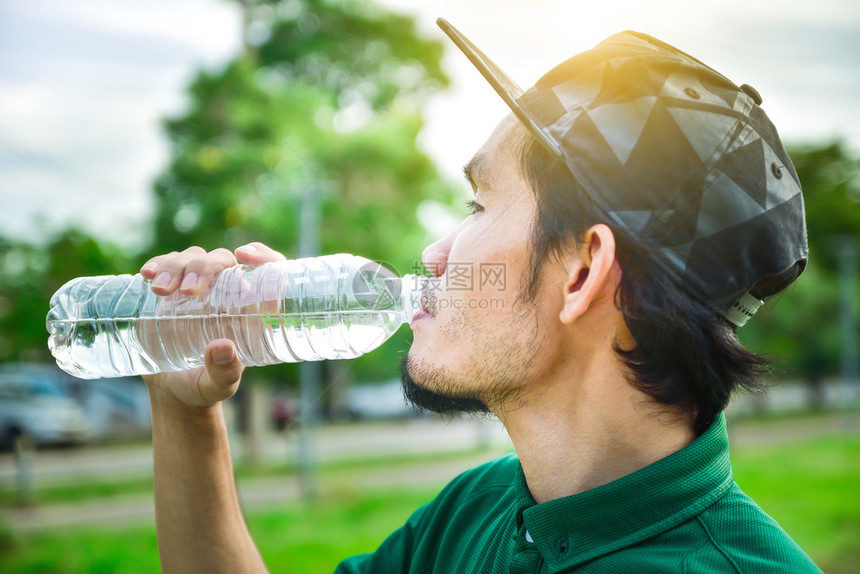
[[674, 154]]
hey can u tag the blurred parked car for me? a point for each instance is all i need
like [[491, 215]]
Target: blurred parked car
[[380, 401], [115, 408], [35, 401]]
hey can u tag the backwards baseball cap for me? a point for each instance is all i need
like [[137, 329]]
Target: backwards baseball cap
[[673, 153]]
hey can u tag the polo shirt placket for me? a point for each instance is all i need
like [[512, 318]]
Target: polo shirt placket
[[571, 531], [527, 559]]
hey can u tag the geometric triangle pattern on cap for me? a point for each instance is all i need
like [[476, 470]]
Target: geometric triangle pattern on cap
[[706, 132], [681, 252], [621, 124], [747, 168], [724, 205]]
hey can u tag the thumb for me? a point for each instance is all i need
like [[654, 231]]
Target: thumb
[[224, 369]]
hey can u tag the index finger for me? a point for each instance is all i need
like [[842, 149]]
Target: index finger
[[257, 253], [190, 271]]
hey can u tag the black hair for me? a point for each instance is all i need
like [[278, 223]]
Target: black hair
[[686, 356]]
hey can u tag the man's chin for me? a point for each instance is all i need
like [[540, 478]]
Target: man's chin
[[427, 400]]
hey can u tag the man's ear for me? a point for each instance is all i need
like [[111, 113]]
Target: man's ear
[[591, 277]]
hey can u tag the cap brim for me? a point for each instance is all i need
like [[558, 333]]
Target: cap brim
[[500, 81]]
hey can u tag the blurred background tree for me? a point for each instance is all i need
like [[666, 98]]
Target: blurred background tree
[[325, 99], [326, 96], [30, 274], [800, 330]]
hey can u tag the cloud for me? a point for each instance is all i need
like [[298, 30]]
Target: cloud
[[84, 87]]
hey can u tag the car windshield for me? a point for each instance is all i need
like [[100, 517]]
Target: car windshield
[[46, 387], [29, 385]]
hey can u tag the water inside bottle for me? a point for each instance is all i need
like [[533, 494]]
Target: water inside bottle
[[117, 347], [312, 310]]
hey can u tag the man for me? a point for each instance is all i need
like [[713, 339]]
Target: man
[[642, 207]]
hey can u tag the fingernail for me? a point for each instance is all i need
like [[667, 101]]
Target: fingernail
[[150, 266], [249, 248], [162, 280], [189, 281], [223, 355]]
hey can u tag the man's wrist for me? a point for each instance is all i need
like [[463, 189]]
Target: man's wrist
[[164, 403]]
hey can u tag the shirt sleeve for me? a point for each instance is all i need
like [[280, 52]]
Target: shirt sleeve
[[394, 555]]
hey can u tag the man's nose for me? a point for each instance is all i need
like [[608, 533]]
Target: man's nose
[[435, 255]]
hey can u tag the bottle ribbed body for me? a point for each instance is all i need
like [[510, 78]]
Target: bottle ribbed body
[[331, 307]]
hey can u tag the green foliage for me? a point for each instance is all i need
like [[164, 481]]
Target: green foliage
[[799, 330], [325, 100], [831, 189], [30, 274], [328, 103]]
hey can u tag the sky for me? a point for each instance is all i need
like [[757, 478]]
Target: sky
[[85, 85]]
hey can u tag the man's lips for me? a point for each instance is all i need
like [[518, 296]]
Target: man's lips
[[427, 306], [420, 314]]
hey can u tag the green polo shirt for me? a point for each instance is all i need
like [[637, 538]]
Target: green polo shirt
[[683, 513]]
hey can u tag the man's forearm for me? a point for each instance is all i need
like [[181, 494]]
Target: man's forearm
[[199, 521]]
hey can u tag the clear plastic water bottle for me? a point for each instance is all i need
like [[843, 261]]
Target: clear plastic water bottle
[[330, 307]]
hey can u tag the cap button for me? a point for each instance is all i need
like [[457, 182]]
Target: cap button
[[776, 169], [693, 93], [751, 92]]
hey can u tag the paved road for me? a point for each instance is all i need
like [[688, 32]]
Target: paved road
[[429, 436], [338, 442], [253, 493], [424, 435]]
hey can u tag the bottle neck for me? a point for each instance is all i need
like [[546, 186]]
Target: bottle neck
[[411, 287]]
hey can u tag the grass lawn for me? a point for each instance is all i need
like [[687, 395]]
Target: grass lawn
[[810, 486], [315, 538], [294, 538]]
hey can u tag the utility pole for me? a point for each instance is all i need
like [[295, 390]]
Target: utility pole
[[247, 17], [848, 316], [309, 371]]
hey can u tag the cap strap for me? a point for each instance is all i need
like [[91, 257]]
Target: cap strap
[[743, 309]]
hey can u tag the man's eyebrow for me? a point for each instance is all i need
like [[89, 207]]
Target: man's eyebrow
[[474, 173]]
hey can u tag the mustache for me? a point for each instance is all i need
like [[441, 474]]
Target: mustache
[[429, 297]]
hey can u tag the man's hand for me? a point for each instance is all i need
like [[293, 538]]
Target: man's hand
[[191, 272], [199, 520]]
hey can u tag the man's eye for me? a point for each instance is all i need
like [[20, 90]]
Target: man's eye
[[474, 207]]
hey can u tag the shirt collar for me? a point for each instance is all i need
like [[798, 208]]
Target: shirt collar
[[571, 530]]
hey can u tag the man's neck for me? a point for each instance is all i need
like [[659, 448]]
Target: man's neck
[[572, 438]]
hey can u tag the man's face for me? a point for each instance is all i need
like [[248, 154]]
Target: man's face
[[477, 341]]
